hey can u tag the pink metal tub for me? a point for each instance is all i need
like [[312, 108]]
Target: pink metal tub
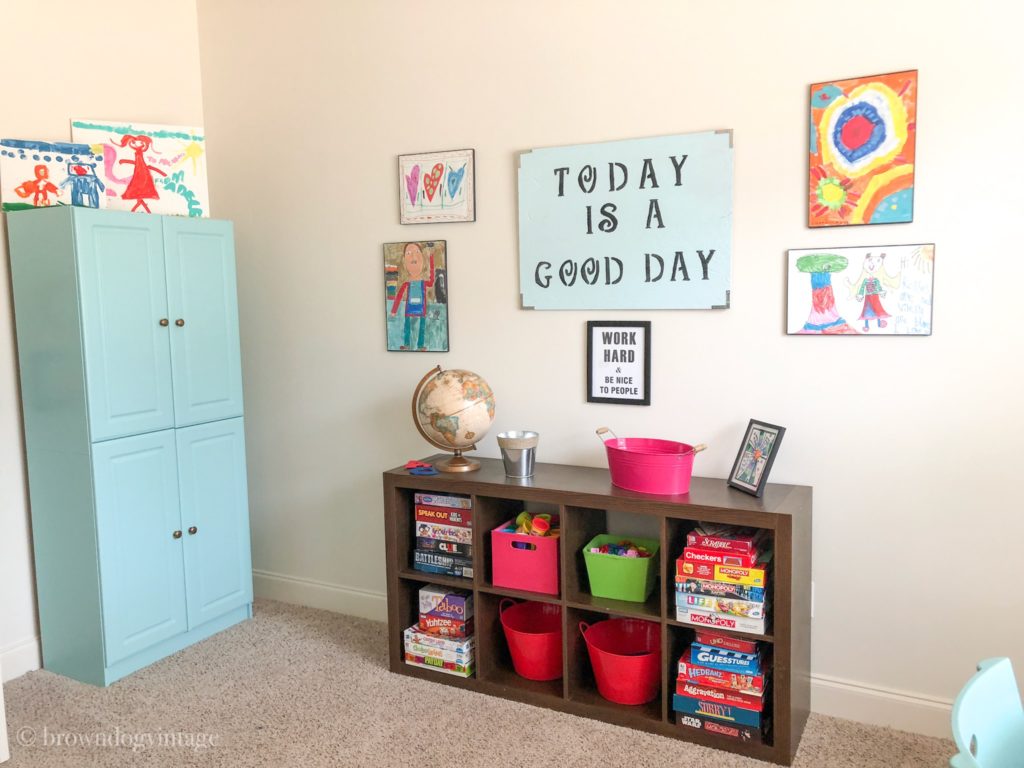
[[647, 465]]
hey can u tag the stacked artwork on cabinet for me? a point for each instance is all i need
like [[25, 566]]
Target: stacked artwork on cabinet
[[149, 168]]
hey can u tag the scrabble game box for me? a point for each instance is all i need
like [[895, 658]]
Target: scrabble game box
[[726, 538]]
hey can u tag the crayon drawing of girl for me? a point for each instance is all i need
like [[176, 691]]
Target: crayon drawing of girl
[[870, 287]]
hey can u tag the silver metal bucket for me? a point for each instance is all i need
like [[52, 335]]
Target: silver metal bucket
[[517, 452]]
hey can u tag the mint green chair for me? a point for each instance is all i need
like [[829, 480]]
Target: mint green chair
[[988, 721]]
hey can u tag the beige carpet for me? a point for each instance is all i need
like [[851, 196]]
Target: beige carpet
[[306, 688]]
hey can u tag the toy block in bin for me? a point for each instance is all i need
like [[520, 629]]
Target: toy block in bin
[[618, 577], [522, 561]]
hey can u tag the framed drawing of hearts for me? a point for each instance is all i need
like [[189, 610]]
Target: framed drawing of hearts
[[436, 187]]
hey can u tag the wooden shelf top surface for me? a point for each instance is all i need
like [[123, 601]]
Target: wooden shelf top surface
[[595, 483]]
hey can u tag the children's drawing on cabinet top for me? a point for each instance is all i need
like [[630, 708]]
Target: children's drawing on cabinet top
[[39, 174], [149, 168], [881, 290]]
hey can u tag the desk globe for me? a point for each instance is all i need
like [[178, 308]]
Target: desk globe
[[452, 410]]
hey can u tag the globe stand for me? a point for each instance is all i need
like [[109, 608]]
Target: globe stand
[[457, 463]]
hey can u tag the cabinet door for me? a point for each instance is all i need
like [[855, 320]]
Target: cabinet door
[[124, 297], [215, 514], [204, 316], [142, 574]]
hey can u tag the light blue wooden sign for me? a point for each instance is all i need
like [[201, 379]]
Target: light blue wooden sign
[[638, 224]]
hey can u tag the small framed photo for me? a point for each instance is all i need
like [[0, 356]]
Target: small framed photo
[[619, 362], [437, 187], [757, 454]]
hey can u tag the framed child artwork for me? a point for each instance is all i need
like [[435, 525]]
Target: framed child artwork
[[619, 362], [437, 187], [757, 454], [416, 296]]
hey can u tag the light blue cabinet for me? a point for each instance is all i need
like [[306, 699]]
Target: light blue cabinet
[[128, 349]]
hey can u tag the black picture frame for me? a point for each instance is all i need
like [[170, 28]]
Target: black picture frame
[[754, 481], [623, 343]]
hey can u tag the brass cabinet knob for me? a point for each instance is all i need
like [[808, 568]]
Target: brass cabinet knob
[[176, 534], [193, 531], [163, 322], [179, 322]]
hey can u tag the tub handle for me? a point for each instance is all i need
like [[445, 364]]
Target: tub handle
[[583, 629], [506, 602], [602, 431], [699, 448]]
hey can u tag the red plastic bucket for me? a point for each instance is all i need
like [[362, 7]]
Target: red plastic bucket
[[534, 635], [626, 657], [648, 465]]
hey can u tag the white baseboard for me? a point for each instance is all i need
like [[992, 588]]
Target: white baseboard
[[902, 710], [364, 603], [20, 657]]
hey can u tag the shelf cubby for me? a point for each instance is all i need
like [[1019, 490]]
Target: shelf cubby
[[588, 505]]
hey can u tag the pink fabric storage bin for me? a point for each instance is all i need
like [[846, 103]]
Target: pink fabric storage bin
[[521, 561]]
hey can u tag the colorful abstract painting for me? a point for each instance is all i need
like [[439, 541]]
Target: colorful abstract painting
[[416, 296], [862, 150], [437, 187], [879, 290], [149, 168], [38, 174]]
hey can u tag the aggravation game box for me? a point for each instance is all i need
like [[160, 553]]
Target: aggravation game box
[[446, 612], [727, 538], [736, 681], [438, 500], [711, 588], [444, 516], [722, 695]]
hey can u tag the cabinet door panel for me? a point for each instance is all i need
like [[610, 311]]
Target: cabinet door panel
[[201, 293], [215, 502], [142, 571], [124, 297]]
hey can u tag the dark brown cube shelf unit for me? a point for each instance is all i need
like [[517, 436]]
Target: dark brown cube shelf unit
[[587, 503]]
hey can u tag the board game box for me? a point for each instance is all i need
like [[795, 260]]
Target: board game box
[[706, 637], [724, 659], [721, 712], [444, 516], [721, 589], [726, 537], [719, 557], [734, 574], [449, 667], [456, 533], [439, 500], [744, 733], [443, 565], [722, 695], [743, 608], [736, 681], [717, 620], [446, 547]]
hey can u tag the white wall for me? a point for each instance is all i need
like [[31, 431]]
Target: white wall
[[65, 59], [908, 442]]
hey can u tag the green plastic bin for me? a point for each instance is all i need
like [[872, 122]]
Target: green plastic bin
[[621, 578]]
